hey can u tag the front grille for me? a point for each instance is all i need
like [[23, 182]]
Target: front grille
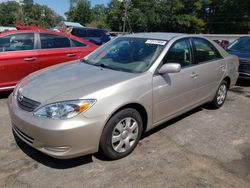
[[244, 65], [22, 135], [27, 104]]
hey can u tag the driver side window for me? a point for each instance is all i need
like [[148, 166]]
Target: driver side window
[[180, 52]]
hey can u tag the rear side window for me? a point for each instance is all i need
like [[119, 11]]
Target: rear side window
[[79, 32], [76, 43], [94, 33], [205, 51], [17, 42], [49, 41]]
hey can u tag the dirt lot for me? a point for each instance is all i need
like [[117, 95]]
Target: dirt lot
[[203, 148]]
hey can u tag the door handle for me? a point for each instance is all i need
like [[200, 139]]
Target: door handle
[[193, 75], [30, 59], [222, 66], [71, 55]]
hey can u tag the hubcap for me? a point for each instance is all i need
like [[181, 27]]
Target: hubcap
[[125, 134], [221, 96]]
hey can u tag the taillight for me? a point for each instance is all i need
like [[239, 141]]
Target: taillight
[[237, 64]]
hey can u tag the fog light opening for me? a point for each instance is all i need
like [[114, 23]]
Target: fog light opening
[[59, 149]]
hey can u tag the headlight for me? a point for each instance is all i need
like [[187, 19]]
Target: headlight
[[15, 91], [65, 109]]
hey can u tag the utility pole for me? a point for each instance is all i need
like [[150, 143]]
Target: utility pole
[[125, 4], [207, 10], [22, 17]]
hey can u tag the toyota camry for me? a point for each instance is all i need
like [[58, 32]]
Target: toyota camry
[[106, 101]]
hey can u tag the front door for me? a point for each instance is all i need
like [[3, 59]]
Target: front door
[[175, 92]]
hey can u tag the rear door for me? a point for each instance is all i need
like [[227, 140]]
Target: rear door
[[18, 58], [55, 49], [80, 49], [211, 68]]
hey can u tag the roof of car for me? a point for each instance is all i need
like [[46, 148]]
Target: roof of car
[[72, 24], [89, 28], [45, 31], [159, 35]]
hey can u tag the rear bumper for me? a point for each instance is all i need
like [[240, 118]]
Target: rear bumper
[[244, 68], [244, 75], [58, 138]]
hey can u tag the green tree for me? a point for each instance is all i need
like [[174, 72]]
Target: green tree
[[10, 13], [99, 12], [153, 15], [41, 15], [171, 16], [228, 16], [99, 18], [29, 13], [81, 12], [114, 15]]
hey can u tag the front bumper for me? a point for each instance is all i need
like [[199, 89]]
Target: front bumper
[[58, 138]]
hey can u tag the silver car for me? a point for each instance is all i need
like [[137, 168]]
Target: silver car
[[107, 100]]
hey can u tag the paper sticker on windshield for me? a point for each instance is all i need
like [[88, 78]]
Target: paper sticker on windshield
[[158, 42]]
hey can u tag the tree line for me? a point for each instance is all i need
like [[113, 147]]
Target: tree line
[[29, 13], [189, 16]]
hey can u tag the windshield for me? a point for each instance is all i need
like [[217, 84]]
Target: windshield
[[242, 44], [127, 54]]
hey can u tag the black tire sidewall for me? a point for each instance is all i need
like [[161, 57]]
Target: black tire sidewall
[[105, 143]]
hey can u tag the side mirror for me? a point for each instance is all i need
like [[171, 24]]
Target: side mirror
[[170, 68]]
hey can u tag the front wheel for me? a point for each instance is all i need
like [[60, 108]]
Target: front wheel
[[221, 95], [121, 134]]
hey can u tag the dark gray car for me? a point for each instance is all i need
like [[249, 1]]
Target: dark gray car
[[241, 48], [94, 35]]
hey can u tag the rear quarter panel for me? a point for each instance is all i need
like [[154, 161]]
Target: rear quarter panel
[[232, 63]]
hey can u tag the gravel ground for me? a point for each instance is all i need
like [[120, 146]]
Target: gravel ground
[[202, 148]]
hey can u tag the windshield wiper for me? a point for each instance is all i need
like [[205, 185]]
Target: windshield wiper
[[85, 61], [97, 65], [106, 66]]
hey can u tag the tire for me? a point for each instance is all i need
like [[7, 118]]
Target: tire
[[121, 134], [220, 95]]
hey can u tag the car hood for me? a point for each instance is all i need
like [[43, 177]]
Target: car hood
[[240, 54], [69, 81]]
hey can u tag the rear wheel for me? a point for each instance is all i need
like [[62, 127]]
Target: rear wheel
[[221, 95], [121, 134]]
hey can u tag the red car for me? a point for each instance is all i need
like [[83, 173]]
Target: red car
[[30, 49]]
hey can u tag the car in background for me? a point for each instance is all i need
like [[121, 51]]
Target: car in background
[[94, 35], [113, 35], [30, 49], [222, 43], [241, 48], [129, 85]]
